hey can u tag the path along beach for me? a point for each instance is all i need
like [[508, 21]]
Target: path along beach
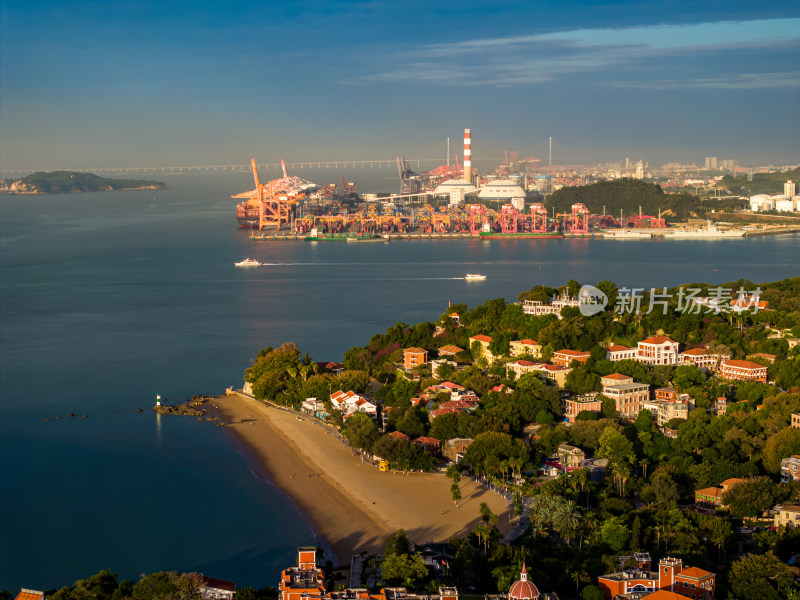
[[351, 505]]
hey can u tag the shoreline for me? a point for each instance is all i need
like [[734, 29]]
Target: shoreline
[[349, 505]]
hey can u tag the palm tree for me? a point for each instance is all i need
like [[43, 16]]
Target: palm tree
[[566, 518], [579, 576]]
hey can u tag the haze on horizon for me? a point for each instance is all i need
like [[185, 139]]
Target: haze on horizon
[[104, 84]]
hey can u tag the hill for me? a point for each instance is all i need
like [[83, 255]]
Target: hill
[[762, 183], [627, 195], [66, 182]]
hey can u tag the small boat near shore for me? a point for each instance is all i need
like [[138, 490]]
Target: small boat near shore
[[474, 277], [248, 262]]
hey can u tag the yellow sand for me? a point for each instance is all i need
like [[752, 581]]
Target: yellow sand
[[351, 504]]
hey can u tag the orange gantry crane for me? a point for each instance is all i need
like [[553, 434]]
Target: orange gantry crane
[[270, 204]]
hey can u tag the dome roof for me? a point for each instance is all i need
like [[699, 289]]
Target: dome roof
[[523, 589], [501, 189], [446, 187]]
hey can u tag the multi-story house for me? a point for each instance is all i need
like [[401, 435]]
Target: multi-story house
[[790, 468], [617, 352], [787, 515], [575, 404], [700, 358], [564, 358], [522, 347], [483, 341], [414, 357], [657, 350], [671, 576], [744, 370]]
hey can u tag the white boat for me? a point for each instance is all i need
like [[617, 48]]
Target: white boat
[[248, 262], [475, 277], [711, 231]]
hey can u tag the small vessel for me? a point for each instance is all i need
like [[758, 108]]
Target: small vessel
[[248, 262], [475, 277], [710, 232], [626, 234]]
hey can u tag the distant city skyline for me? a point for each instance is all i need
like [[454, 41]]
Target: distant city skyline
[[103, 84]]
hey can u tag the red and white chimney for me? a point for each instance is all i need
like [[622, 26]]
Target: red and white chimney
[[467, 155]]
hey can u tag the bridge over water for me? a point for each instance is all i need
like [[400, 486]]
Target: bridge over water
[[290, 166]]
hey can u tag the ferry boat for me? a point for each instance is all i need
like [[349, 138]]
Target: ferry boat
[[475, 277], [248, 262]]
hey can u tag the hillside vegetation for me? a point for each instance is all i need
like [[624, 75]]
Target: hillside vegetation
[[627, 195], [64, 182], [762, 183]]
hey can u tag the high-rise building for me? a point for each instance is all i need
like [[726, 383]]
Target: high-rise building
[[711, 163], [789, 188]]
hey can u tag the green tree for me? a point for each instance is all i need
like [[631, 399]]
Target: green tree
[[760, 577], [455, 492], [778, 446], [619, 451], [403, 568], [752, 497], [167, 586], [615, 533], [361, 432]]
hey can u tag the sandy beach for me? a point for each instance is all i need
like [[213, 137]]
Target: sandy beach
[[350, 504]]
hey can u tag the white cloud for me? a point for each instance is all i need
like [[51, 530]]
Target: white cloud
[[531, 59]]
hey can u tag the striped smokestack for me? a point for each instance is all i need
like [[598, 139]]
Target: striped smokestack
[[467, 155]]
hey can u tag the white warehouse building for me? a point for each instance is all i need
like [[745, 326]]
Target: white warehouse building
[[503, 190]]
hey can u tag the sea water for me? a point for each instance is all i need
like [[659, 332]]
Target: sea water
[[108, 299]]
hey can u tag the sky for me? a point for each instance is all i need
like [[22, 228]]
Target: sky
[[99, 84]]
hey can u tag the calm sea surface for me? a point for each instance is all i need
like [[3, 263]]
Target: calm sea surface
[[108, 299]]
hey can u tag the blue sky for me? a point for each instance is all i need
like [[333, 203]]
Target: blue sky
[[155, 83]]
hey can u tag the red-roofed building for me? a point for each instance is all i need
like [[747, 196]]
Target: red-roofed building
[[414, 357], [484, 341], [523, 589], [564, 358], [615, 379], [444, 411], [303, 581], [711, 497], [428, 444], [217, 589], [521, 366], [743, 370], [617, 352], [502, 389], [700, 358], [574, 405], [657, 350], [449, 350], [399, 435], [26, 594], [523, 347], [670, 578]]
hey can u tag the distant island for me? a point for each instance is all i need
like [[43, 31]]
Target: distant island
[[69, 182]]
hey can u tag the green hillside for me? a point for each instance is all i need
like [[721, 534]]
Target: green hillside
[[63, 182], [762, 183], [627, 195]]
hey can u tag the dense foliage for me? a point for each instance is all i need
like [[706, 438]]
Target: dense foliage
[[757, 183], [579, 523], [628, 196], [63, 182]]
